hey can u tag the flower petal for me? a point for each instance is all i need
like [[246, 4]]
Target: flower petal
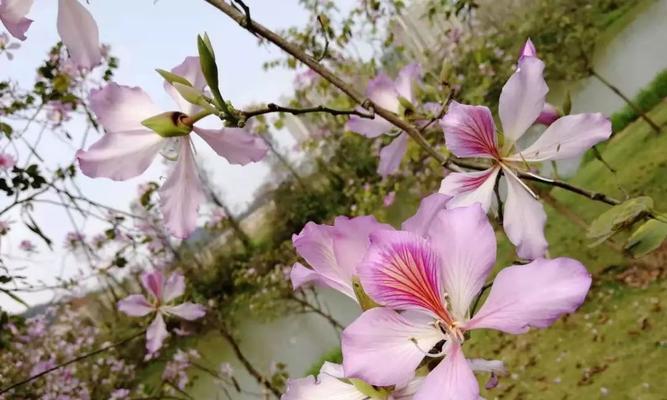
[[78, 30], [466, 243], [189, 69], [120, 155], [406, 78], [452, 379], [528, 50], [236, 145], [181, 194], [383, 347], [470, 131], [135, 305], [392, 155], [371, 128], [121, 108], [156, 334], [402, 271], [568, 137], [153, 282], [533, 295], [548, 115], [13, 16], [524, 220], [187, 311], [382, 91], [351, 238], [467, 188], [173, 288], [423, 218], [327, 386], [522, 98]]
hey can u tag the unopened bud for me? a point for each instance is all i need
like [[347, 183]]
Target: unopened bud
[[169, 124]]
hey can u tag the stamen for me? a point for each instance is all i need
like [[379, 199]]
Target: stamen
[[507, 170]]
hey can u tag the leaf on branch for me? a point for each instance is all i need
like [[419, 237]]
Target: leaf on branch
[[648, 237], [617, 218]]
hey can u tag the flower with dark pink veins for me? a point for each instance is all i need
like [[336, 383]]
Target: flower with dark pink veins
[[470, 132], [387, 93], [128, 147], [426, 285], [162, 294]]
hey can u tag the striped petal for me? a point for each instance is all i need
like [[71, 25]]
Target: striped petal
[[470, 131]]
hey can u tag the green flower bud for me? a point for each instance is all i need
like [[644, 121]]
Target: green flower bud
[[168, 124], [193, 96], [173, 78]]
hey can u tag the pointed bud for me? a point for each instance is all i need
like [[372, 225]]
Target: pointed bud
[[193, 96], [528, 50], [209, 67], [168, 124], [173, 78]]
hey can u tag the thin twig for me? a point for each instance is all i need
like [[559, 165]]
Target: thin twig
[[273, 108]]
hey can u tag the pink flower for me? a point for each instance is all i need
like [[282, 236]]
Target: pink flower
[[13, 16], [335, 252], [426, 286], [162, 293], [470, 132], [27, 246], [128, 147], [386, 93], [7, 161]]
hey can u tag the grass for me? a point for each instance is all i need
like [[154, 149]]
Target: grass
[[646, 99]]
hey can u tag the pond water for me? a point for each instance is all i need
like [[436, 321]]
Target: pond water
[[629, 60]]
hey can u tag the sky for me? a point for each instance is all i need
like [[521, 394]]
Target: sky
[[146, 35]]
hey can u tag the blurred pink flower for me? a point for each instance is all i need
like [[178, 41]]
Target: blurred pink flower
[[7, 161]]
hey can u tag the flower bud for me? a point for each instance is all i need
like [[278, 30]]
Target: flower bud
[[192, 95], [172, 78], [528, 50], [168, 124]]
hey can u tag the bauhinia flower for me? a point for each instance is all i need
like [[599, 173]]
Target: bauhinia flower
[[162, 294], [335, 252], [128, 147], [76, 26], [426, 287], [386, 93], [470, 132]]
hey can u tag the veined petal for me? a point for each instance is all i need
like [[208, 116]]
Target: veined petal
[[568, 137], [522, 98], [236, 145], [402, 271], [153, 282], [371, 128], [452, 379], [181, 193], [467, 188], [392, 155], [135, 305], [406, 79], [122, 108], [120, 155], [13, 16], [423, 218], [533, 295], [470, 131], [351, 238], [156, 334], [174, 287], [326, 386], [187, 311], [383, 347], [524, 220], [466, 243], [78, 30], [189, 69], [382, 91]]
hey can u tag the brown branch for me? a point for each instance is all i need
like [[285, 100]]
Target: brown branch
[[273, 108]]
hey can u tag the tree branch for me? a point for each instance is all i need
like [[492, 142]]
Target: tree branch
[[274, 108]]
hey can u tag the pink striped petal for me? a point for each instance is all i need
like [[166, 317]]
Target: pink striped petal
[[452, 379], [78, 31], [371, 128], [533, 295], [383, 347], [236, 145], [153, 282], [351, 238], [135, 305], [429, 207], [524, 220], [187, 311], [156, 334], [13, 16], [568, 137], [174, 287], [392, 155], [181, 194], [466, 244], [522, 98], [402, 271], [189, 69], [467, 188], [406, 79], [382, 91], [121, 108], [470, 131]]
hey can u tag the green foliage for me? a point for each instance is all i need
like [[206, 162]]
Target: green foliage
[[334, 355], [618, 218], [648, 237], [646, 99]]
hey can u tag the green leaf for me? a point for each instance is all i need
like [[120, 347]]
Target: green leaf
[[173, 78], [648, 237], [209, 67], [618, 218]]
